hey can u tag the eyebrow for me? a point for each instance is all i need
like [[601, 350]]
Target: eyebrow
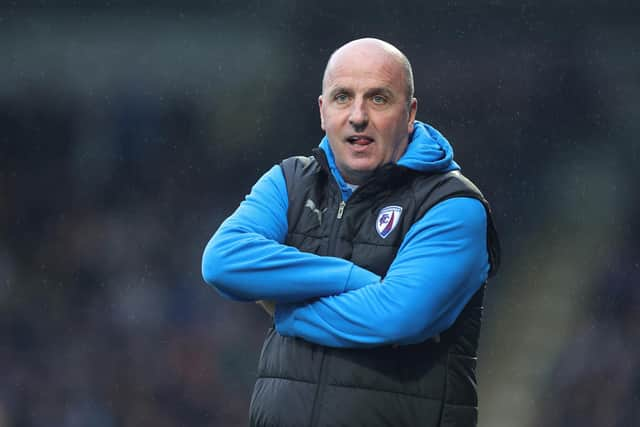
[[339, 89], [371, 92], [380, 91]]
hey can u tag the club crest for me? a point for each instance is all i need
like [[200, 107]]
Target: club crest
[[387, 220]]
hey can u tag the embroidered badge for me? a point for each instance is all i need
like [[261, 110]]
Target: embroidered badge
[[387, 220]]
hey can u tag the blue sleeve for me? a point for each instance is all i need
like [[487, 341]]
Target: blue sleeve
[[247, 260], [441, 263]]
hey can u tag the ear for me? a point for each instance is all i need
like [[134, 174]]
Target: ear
[[413, 108], [321, 113]]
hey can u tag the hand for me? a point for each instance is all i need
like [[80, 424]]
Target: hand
[[268, 306]]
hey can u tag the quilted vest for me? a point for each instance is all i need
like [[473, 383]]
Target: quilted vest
[[432, 383]]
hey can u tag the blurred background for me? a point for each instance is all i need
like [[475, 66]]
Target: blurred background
[[130, 130]]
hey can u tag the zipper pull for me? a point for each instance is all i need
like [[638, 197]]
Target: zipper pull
[[341, 209]]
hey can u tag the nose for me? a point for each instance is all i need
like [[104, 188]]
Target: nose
[[358, 117]]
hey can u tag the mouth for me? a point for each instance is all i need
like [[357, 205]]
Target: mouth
[[359, 139]]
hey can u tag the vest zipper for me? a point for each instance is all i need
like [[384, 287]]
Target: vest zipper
[[335, 229], [341, 209], [322, 383], [322, 380]]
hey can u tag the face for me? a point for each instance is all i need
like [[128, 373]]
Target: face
[[364, 111]]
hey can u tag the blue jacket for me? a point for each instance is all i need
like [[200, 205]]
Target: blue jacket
[[333, 302]]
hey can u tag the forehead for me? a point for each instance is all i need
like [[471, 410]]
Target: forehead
[[364, 67]]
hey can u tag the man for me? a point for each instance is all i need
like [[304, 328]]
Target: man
[[374, 250]]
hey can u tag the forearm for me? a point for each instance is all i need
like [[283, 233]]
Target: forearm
[[244, 266], [372, 316]]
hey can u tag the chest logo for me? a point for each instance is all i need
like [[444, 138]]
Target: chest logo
[[311, 205], [387, 220]]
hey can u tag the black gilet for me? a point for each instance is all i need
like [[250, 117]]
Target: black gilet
[[432, 383]]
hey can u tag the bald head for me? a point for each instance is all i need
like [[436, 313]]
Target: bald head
[[370, 46]]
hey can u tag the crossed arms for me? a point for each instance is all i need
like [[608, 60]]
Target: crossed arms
[[331, 301]]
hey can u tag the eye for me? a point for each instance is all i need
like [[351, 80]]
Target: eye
[[379, 99], [341, 98]]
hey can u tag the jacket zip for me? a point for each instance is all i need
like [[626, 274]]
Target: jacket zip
[[341, 209], [315, 412], [322, 383], [324, 363]]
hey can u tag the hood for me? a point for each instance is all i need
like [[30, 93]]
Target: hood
[[428, 152]]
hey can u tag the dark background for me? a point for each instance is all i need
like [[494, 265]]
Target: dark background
[[128, 133]]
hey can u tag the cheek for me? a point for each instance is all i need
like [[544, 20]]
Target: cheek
[[329, 121], [323, 118], [393, 128]]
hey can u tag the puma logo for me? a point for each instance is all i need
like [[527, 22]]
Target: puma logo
[[311, 205]]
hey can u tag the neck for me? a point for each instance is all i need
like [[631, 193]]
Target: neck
[[356, 177]]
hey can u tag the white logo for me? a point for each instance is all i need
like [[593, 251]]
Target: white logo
[[311, 205], [387, 220]]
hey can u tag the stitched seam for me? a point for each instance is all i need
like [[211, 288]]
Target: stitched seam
[[296, 233], [444, 391], [464, 356], [403, 393], [460, 405], [268, 377], [356, 242], [417, 396]]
